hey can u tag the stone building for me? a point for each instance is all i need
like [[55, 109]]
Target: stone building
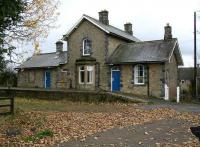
[[186, 80], [100, 56]]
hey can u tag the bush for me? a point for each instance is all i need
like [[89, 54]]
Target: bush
[[8, 78]]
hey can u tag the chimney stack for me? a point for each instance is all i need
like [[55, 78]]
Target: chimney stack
[[103, 17], [168, 32], [128, 28], [59, 46]]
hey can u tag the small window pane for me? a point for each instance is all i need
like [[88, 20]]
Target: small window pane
[[139, 74], [82, 74], [90, 74], [86, 47]]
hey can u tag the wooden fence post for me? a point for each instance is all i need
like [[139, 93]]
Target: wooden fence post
[[12, 105]]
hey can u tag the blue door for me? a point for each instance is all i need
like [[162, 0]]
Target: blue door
[[115, 81], [47, 79]]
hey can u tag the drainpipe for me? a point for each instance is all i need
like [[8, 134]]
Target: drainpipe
[[148, 80]]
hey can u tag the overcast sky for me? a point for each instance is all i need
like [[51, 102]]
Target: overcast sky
[[147, 16]]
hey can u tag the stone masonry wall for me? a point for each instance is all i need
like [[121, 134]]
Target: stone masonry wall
[[113, 43], [155, 76], [34, 78], [172, 68], [126, 82], [31, 78], [75, 44]]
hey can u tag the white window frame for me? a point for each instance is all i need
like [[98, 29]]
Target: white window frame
[[136, 77], [84, 54], [81, 70], [91, 74], [87, 68]]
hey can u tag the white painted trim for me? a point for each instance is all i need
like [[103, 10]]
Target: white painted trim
[[79, 74], [178, 94], [111, 80], [79, 21], [83, 48], [172, 51], [136, 71], [96, 24], [45, 86], [92, 74], [166, 92]]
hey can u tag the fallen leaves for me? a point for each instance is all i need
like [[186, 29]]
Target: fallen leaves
[[78, 125]]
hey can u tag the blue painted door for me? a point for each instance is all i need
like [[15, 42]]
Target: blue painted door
[[115, 81], [47, 79]]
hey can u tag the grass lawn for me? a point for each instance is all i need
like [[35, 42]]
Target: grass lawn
[[47, 122], [65, 106]]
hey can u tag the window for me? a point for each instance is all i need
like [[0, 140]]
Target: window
[[139, 74], [87, 45], [81, 75], [86, 74], [90, 74]]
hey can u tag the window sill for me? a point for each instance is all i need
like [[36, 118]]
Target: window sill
[[86, 55], [86, 83], [139, 84]]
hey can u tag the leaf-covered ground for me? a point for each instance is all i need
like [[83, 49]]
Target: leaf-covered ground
[[75, 121]]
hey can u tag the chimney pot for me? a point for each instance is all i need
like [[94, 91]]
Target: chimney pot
[[168, 32], [103, 17], [59, 46], [128, 28]]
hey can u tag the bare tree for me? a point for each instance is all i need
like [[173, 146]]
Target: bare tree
[[38, 18]]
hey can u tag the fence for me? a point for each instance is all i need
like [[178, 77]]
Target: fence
[[10, 105]]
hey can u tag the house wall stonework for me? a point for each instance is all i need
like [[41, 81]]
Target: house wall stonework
[[127, 82], [113, 43], [26, 76], [172, 69], [155, 82], [35, 78], [75, 45]]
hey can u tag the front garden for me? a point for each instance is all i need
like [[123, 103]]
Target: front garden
[[49, 122]]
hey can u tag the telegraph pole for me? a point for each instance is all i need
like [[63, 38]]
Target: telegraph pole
[[195, 57]]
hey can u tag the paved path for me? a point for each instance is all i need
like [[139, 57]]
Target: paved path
[[191, 108], [146, 135]]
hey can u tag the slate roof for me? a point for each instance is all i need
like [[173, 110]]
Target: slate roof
[[45, 60], [186, 73], [107, 28], [146, 51]]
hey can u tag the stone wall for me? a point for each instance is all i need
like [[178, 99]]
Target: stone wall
[[155, 80], [102, 47], [113, 42], [35, 78], [31, 78], [172, 69], [75, 45], [127, 85]]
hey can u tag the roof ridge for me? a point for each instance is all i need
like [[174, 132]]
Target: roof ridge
[[107, 28], [107, 25], [173, 39]]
